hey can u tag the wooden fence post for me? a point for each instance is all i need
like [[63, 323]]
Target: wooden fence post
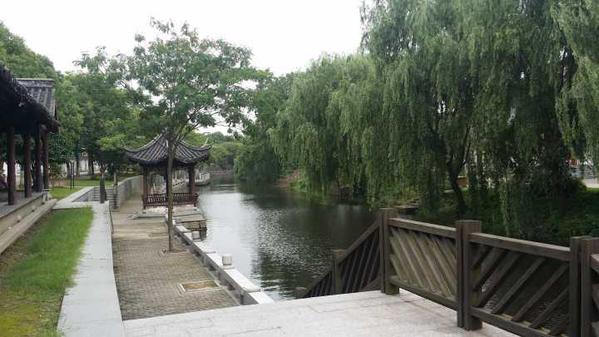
[[385, 265], [467, 274], [574, 286], [588, 247], [336, 271]]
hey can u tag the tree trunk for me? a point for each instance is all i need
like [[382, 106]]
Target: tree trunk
[[459, 195], [102, 186], [69, 172], [90, 165], [77, 159], [169, 193]]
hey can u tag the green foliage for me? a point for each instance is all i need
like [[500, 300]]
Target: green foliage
[[492, 90], [222, 155], [189, 82], [22, 61], [471, 88], [257, 160], [111, 121], [65, 144], [36, 270], [579, 69]]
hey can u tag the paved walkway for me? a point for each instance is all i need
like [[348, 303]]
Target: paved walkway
[[148, 280], [91, 306], [364, 314]]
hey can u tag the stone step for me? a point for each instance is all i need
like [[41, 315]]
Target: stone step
[[359, 314]]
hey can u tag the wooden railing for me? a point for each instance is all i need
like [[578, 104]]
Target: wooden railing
[[421, 258], [353, 269], [525, 287], [589, 257], [160, 200]]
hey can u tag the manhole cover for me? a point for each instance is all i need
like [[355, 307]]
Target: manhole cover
[[199, 285]]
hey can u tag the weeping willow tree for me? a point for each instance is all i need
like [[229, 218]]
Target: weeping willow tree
[[492, 89], [578, 103], [471, 87], [517, 52], [257, 159], [331, 128], [428, 93]]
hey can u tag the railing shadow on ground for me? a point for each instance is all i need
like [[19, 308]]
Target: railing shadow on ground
[[524, 287]]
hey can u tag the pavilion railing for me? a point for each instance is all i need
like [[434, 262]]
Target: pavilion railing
[[160, 200], [524, 287]]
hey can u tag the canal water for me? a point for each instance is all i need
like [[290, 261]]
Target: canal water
[[277, 238]]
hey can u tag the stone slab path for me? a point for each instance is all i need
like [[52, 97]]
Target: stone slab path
[[364, 314], [91, 306], [148, 280]]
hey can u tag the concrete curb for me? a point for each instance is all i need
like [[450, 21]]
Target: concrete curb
[[71, 201], [91, 307], [244, 290], [14, 232]]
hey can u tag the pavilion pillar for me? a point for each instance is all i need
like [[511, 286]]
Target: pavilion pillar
[[45, 160], [11, 161], [145, 182], [191, 172], [38, 163], [27, 165]]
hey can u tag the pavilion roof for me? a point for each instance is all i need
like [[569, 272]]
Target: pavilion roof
[[26, 104], [42, 90], [155, 153]]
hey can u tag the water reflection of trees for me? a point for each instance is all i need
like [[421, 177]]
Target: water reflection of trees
[[295, 237], [288, 237]]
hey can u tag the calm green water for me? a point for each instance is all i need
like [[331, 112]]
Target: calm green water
[[277, 238]]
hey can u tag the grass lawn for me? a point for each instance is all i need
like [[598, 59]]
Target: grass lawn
[[80, 182], [63, 192], [36, 270]]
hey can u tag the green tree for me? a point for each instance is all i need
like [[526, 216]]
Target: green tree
[[428, 93], [257, 160], [193, 82], [22, 61], [579, 75], [25, 63], [110, 118]]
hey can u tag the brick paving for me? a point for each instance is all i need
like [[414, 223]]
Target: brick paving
[[148, 280]]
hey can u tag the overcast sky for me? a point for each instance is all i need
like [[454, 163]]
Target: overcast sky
[[284, 35]]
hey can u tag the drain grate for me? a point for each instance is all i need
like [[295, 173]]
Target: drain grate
[[197, 286]]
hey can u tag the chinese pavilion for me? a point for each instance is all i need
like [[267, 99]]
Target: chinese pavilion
[[153, 157], [27, 111]]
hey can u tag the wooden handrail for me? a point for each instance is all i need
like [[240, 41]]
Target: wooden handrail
[[341, 278], [423, 227], [494, 273], [525, 287], [364, 236], [595, 262], [523, 246]]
